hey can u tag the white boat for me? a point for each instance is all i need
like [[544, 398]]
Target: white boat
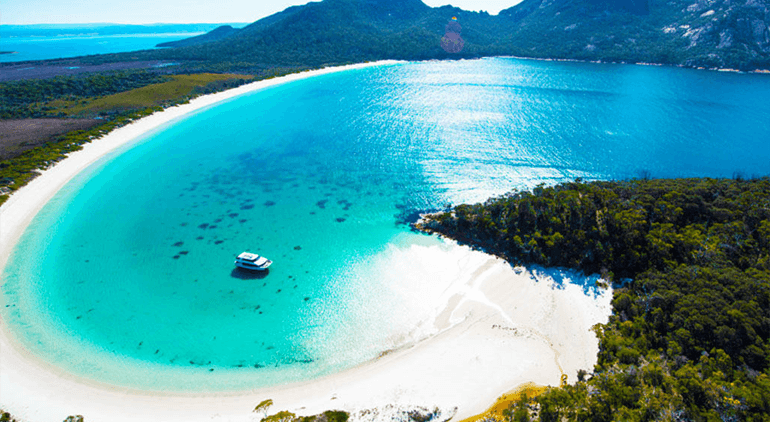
[[252, 261]]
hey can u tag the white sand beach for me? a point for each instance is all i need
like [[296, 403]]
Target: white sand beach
[[496, 328]]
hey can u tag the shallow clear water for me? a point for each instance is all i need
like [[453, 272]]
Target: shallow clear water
[[127, 275]]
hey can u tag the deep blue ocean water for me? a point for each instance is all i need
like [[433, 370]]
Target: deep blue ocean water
[[126, 276], [61, 46]]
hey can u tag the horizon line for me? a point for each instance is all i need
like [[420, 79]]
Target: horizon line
[[122, 23]]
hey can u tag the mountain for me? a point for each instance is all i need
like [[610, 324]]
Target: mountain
[[707, 33], [694, 33], [332, 32], [216, 34], [575, 8]]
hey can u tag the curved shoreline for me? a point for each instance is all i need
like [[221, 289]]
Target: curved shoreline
[[477, 353]]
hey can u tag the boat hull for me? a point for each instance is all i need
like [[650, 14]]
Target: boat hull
[[249, 266]]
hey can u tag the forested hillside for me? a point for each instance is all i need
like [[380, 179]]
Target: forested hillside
[[713, 34], [216, 34], [720, 33], [334, 32], [689, 338]]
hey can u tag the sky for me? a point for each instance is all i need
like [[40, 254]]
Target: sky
[[18, 12]]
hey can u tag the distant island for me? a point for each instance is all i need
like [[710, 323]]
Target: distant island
[[49, 30], [7, 52]]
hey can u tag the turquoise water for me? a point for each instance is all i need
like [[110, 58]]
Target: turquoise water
[[126, 276], [62, 46]]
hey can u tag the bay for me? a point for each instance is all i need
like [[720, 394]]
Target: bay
[[127, 275]]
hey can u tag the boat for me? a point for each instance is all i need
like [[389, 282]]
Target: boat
[[252, 261]]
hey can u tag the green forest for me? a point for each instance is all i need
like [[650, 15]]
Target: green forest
[[689, 338], [346, 31], [22, 99]]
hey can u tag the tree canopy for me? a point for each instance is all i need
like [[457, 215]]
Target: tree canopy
[[689, 338]]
